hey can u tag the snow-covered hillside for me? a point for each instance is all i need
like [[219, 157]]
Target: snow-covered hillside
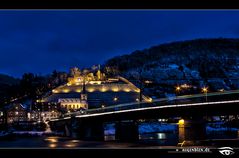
[[202, 62]]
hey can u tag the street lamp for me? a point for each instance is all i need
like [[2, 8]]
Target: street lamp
[[205, 90], [178, 89], [115, 99]]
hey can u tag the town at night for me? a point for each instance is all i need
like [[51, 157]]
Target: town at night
[[120, 79]]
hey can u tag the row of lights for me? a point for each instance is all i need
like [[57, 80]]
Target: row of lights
[[90, 82], [115, 99], [204, 89], [93, 89]]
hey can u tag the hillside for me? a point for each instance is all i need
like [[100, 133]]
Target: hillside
[[7, 80], [200, 62]]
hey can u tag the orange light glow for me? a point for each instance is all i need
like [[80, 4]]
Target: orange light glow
[[181, 122]]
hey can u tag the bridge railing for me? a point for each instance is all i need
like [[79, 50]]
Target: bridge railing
[[186, 99]]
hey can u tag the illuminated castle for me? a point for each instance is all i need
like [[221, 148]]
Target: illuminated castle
[[91, 90]]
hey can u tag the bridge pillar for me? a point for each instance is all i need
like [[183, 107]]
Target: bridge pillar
[[91, 130], [126, 131], [63, 126], [67, 131], [191, 130]]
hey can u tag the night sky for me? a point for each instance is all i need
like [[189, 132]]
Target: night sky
[[41, 41]]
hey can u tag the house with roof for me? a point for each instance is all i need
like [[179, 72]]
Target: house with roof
[[2, 118], [16, 112]]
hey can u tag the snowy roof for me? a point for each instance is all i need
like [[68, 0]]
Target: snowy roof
[[10, 106]]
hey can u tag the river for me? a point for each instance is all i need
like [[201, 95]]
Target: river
[[152, 140], [63, 142], [164, 139]]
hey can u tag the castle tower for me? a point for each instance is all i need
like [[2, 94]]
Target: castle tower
[[84, 94], [98, 75]]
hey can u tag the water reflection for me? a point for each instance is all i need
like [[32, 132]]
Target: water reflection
[[109, 137], [52, 145], [161, 139], [75, 141], [141, 136], [158, 139], [70, 145], [161, 135], [52, 139], [152, 138], [54, 142]]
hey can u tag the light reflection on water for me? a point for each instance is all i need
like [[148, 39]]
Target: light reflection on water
[[75, 141], [158, 136], [158, 139], [52, 145], [141, 137], [71, 145], [54, 142], [51, 139], [152, 138], [161, 135], [61, 142], [109, 137]]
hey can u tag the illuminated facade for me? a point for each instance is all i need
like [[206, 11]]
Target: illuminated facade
[[42, 115], [72, 103], [86, 89]]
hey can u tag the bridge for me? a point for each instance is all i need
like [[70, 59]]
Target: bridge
[[191, 108]]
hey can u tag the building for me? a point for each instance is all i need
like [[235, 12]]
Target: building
[[39, 105], [72, 103], [2, 117], [16, 113], [93, 90], [43, 111], [38, 116]]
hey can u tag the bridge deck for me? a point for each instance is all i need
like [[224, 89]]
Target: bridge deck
[[186, 101]]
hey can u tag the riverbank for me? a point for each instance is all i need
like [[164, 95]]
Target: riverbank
[[37, 133]]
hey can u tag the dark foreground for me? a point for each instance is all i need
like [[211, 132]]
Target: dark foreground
[[149, 145], [151, 141]]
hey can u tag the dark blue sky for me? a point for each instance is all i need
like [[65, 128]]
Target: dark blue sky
[[43, 40]]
